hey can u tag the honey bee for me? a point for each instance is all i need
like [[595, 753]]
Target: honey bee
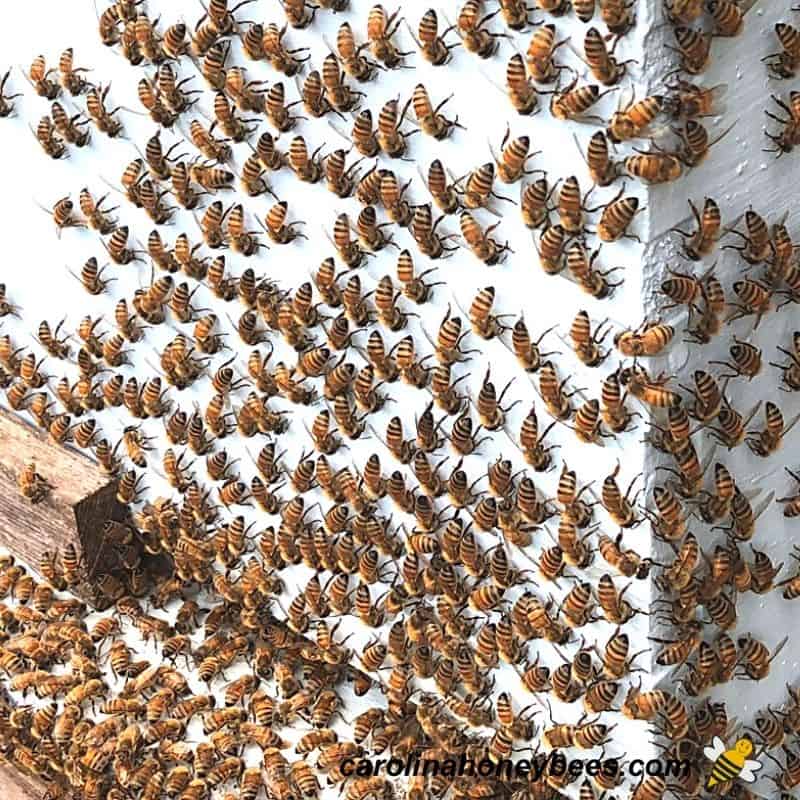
[[585, 344], [379, 34], [487, 250], [604, 67], [573, 101], [649, 339], [430, 120], [340, 96], [656, 167], [431, 43], [694, 48], [470, 26], [39, 77], [32, 485], [789, 136], [103, 119], [521, 90], [649, 390], [51, 143], [785, 63]]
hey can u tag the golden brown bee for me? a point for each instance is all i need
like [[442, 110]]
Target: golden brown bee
[[532, 442], [444, 194], [755, 297], [483, 322], [280, 58], [431, 122], [470, 26], [765, 442], [423, 229], [745, 360], [655, 167], [539, 56], [431, 42], [379, 34], [97, 217], [649, 339], [552, 392], [694, 48], [534, 204], [32, 485], [51, 143], [585, 344], [103, 118], [340, 96], [521, 90], [69, 128], [39, 77], [574, 101], [616, 217], [789, 136], [617, 15], [354, 64], [55, 347], [486, 249], [591, 280], [212, 148], [391, 140], [755, 658], [70, 76], [785, 63], [604, 67], [649, 390], [340, 179], [602, 169]]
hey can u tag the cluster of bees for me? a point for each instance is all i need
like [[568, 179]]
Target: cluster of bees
[[448, 610]]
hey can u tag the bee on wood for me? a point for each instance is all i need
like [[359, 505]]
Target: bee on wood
[[32, 485]]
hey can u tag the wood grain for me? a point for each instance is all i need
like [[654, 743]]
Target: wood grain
[[81, 501], [17, 785]]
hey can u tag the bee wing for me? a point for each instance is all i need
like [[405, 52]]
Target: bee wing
[[752, 766], [716, 750]]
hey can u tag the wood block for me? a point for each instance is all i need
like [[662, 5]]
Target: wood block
[[17, 785], [82, 500]]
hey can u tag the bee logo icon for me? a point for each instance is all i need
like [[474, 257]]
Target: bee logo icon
[[731, 764]]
